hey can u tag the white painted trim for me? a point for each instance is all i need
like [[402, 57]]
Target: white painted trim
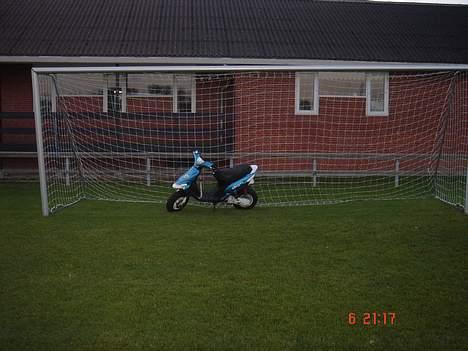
[[385, 112], [105, 97], [174, 94], [123, 97], [315, 110], [194, 94], [349, 66], [89, 60], [53, 97]]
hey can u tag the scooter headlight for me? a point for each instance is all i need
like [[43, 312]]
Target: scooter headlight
[[179, 186]]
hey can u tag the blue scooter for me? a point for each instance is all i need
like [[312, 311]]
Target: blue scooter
[[233, 186]]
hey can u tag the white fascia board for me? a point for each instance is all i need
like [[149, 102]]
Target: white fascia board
[[232, 62], [247, 68]]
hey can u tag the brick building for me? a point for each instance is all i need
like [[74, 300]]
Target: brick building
[[241, 32]]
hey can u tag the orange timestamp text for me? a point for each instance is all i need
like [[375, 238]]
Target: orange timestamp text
[[372, 318]]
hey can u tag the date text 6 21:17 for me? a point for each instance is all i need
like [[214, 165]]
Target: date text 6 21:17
[[372, 318]]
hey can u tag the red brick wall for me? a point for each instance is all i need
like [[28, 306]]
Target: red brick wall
[[16, 96], [266, 121], [80, 103], [149, 104], [209, 95], [16, 90]]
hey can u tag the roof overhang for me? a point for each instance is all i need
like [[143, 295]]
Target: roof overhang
[[226, 61]]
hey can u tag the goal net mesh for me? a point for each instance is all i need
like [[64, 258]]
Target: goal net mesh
[[317, 137]]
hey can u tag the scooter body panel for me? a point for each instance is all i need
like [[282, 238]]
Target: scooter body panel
[[239, 184], [186, 180]]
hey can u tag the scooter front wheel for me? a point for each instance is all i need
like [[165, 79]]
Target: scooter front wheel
[[177, 201], [246, 200]]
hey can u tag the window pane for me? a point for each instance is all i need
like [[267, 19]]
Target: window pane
[[149, 84], [184, 93], [342, 83], [80, 84], [377, 92], [306, 91], [114, 91]]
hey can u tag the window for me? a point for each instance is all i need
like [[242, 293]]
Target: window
[[181, 88], [377, 94], [184, 98], [346, 84], [80, 84], [114, 94], [150, 84], [70, 86], [307, 93], [114, 89], [374, 87]]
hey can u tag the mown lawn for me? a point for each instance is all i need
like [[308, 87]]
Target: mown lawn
[[121, 276]]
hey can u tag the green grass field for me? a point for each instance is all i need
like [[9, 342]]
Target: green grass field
[[121, 276]]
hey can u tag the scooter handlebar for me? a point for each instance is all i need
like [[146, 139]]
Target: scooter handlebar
[[200, 162]]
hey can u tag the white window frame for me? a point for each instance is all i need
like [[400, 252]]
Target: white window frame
[[175, 98], [173, 95], [315, 110], [53, 96], [105, 94], [124, 92], [385, 112]]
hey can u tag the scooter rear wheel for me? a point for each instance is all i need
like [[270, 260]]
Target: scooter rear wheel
[[248, 200], [177, 201]]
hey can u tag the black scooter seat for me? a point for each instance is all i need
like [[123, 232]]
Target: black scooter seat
[[226, 176]]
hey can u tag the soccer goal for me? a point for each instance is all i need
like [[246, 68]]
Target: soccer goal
[[319, 135]]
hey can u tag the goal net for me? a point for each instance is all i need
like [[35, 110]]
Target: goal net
[[318, 137]]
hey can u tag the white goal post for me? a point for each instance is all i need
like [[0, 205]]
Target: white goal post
[[321, 134]]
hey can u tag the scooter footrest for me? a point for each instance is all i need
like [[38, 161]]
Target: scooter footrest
[[212, 196]]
